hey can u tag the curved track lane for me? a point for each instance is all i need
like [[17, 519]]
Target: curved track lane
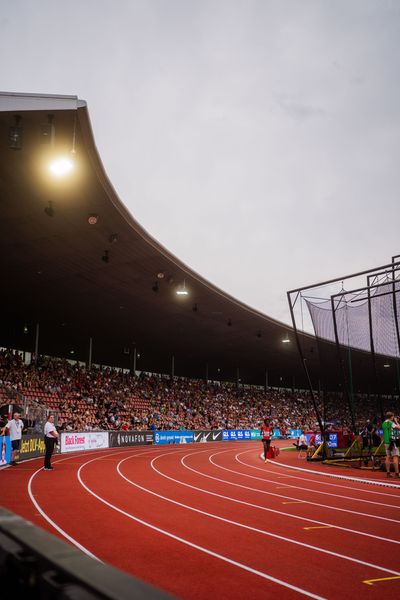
[[214, 519]]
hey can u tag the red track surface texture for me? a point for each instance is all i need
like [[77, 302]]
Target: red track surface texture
[[213, 520]]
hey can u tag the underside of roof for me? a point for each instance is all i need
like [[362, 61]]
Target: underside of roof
[[111, 282]]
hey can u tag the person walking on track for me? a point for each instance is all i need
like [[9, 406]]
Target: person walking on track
[[266, 433]]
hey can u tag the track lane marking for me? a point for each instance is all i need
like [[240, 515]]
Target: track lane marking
[[347, 529], [372, 581], [314, 491], [328, 506], [193, 545], [242, 525]]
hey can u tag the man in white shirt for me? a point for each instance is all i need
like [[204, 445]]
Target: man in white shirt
[[50, 439], [15, 427]]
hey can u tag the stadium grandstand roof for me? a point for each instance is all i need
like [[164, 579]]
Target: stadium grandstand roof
[[110, 280]]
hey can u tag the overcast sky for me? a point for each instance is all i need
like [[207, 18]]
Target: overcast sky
[[258, 140]]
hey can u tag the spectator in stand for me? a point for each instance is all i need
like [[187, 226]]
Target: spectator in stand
[[15, 428]]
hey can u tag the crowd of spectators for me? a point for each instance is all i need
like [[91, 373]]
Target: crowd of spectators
[[110, 399]]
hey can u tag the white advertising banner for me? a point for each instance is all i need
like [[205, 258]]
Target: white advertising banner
[[89, 440]]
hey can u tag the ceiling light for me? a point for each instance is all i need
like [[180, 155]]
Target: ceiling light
[[92, 219], [182, 291], [386, 365], [113, 238], [61, 166], [160, 275], [286, 339]]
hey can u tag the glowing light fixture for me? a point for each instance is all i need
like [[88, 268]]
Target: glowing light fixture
[[286, 339], [182, 291], [387, 366], [61, 166]]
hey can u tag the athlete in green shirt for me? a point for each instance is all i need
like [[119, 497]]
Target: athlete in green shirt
[[390, 436]]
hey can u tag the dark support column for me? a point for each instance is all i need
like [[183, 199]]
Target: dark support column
[[37, 342], [90, 353]]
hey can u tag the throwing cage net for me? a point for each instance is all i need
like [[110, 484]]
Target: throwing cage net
[[356, 323]]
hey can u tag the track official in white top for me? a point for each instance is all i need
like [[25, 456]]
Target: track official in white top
[[15, 427], [50, 440]]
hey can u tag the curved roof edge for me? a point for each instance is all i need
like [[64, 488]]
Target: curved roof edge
[[13, 101], [90, 144]]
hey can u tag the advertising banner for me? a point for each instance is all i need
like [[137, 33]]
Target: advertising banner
[[173, 437], [33, 446], [256, 434], [236, 435], [130, 438], [89, 440], [5, 450], [295, 433], [207, 436]]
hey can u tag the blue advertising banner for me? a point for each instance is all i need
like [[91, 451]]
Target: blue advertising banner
[[255, 434], [5, 450], [332, 441], [236, 435], [173, 437], [295, 433]]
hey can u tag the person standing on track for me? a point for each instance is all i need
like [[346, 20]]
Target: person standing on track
[[390, 437], [15, 427], [50, 440], [266, 433]]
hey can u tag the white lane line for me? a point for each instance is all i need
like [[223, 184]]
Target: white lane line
[[264, 508], [345, 477], [248, 527], [327, 506], [191, 544], [53, 524], [327, 483], [46, 516], [306, 489]]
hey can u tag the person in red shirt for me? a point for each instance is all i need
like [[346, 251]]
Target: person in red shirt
[[312, 444], [266, 433]]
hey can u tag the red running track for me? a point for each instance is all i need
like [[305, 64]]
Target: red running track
[[213, 519]]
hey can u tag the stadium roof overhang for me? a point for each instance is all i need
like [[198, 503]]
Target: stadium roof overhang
[[54, 272]]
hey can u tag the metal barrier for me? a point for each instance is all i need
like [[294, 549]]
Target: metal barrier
[[35, 564]]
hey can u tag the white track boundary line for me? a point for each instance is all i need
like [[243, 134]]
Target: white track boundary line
[[306, 489], [46, 516], [266, 509], [250, 528], [319, 482], [327, 506], [191, 544], [336, 476]]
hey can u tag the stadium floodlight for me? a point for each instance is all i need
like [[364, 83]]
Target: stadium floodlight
[[61, 166], [182, 291], [286, 339]]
